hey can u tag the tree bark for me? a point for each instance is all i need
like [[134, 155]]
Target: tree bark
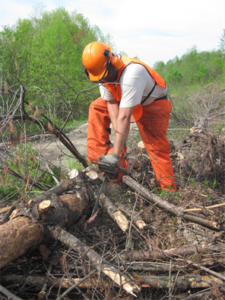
[[114, 212], [185, 282], [134, 215], [17, 236], [38, 280], [22, 233], [157, 254]]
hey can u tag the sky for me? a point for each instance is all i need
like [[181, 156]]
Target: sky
[[154, 30]]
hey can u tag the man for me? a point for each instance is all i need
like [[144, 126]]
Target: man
[[128, 88]]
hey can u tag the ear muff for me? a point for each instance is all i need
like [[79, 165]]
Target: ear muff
[[109, 48], [116, 62]]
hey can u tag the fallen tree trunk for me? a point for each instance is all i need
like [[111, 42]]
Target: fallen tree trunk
[[165, 267], [23, 231], [17, 236], [57, 190]]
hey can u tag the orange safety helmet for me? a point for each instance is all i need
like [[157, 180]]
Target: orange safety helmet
[[96, 58]]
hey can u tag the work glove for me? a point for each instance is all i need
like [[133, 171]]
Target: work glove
[[111, 159]]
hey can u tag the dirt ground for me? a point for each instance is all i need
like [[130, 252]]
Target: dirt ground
[[54, 152]]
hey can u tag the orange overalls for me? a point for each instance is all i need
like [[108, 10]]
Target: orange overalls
[[152, 126]]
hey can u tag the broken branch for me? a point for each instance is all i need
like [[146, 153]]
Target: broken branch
[[109, 270], [114, 212], [173, 209], [157, 254]]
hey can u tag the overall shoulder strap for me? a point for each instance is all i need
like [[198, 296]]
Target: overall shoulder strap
[[149, 94]]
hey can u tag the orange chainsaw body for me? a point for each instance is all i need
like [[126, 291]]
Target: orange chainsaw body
[[123, 162]]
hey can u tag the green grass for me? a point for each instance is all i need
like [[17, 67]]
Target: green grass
[[72, 163], [24, 163]]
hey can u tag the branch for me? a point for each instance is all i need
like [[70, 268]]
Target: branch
[[58, 190], [55, 130], [59, 134], [31, 181], [8, 294], [48, 168], [122, 280], [184, 282], [75, 285], [171, 208], [158, 254], [114, 212]]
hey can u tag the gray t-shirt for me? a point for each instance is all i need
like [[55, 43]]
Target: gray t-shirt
[[135, 83]]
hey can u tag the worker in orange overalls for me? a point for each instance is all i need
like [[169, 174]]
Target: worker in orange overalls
[[129, 89]]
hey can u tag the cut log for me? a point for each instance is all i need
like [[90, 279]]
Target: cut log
[[117, 215], [45, 207], [135, 215], [17, 236], [57, 190], [114, 212], [22, 233], [96, 260]]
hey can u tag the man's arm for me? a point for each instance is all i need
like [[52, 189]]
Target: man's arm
[[120, 118]]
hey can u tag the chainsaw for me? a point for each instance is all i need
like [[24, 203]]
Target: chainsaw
[[112, 173]]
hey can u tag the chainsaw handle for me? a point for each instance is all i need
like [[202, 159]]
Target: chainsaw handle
[[121, 169]]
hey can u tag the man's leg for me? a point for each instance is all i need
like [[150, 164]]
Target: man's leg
[[152, 126], [98, 130]]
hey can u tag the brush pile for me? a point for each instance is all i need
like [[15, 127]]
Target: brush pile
[[142, 243]]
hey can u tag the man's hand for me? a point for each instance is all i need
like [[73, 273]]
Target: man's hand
[[111, 159]]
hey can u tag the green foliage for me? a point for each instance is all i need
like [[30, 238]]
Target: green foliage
[[24, 163], [192, 68], [8, 190], [174, 77], [192, 181], [72, 163], [82, 118], [46, 51], [160, 67], [162, 193]]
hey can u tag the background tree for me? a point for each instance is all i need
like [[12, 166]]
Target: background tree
[[46, 51]]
